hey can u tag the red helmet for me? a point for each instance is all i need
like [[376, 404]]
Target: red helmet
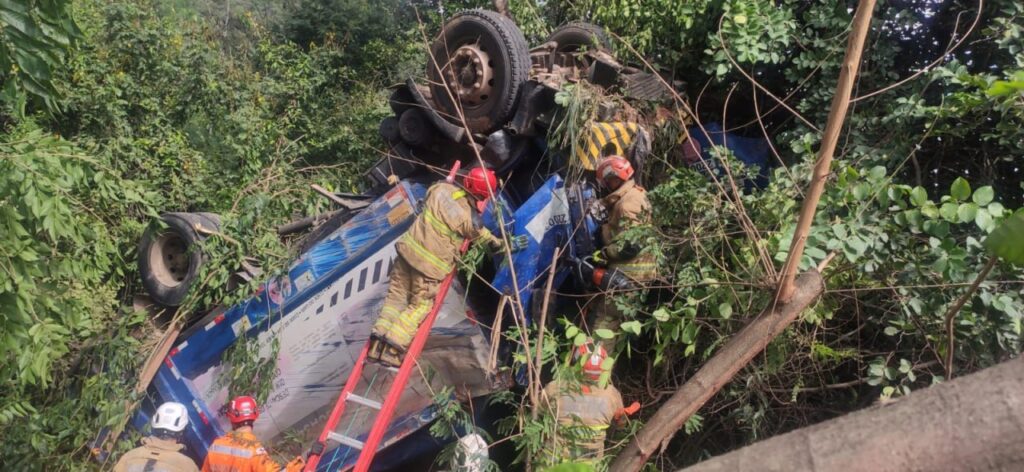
[[242, 409], [480, 182], [592, 360], [614, 166]]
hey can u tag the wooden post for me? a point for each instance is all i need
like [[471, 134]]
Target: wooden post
[[790, 300], [829, 139]]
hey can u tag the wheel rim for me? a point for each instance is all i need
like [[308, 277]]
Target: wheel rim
[[169, 259], [470, 75]]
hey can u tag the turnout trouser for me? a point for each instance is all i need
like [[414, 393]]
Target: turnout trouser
[[410, 297]]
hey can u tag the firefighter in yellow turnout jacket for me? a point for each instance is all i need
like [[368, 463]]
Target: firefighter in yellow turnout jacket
[[627, 206], [427, 253], [584, 412]]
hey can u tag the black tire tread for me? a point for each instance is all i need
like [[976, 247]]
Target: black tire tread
[[583, 28]]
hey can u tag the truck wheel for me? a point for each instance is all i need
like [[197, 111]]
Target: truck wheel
[[580, 35], [170, 258], [389, 129], [484, 59], [415, 129], [401, 99]]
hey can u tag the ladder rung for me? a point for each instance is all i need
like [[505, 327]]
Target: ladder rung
[[364, 401], [342, 439]]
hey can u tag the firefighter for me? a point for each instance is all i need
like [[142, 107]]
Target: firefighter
[[628, 207], [584, 412], [239, 450], [161, 452], [427, 253]]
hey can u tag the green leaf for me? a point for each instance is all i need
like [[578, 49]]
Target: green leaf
[[815, 253], [948, 211], [918, 196], [983, 196], [1005, 240], [996, 209], [725, 310], [631, 327], [571, 467], [661, 314], [937, 228], [891, 331], [839, 230], [579, 340], [1002, 88], [960, 189], [857, 244], [604, 333], [861, 191], [689, 333], [967, 212], [983, 220]]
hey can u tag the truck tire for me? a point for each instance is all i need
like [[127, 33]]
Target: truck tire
[[389, 129], [579, 35], [401, 99], [415, 129], [170, 258], [482, 34]]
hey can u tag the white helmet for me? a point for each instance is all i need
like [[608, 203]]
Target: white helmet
[[171, 416]]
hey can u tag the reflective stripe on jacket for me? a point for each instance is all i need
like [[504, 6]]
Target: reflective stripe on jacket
[[156, 455], [431, 246], [627, 207], [238, 451], [589, 407]]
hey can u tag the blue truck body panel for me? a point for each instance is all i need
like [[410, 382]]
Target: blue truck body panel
[[544, 217], [320, 313]]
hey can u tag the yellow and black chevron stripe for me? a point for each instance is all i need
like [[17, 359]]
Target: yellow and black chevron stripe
[[601, 134]]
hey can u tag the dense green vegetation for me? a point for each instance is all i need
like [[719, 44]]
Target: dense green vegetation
[[151, 112], [115, 111]]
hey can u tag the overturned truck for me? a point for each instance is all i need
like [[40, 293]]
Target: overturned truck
[[486, 94]]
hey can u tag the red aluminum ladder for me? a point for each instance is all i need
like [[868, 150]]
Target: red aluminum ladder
[[386, 410]]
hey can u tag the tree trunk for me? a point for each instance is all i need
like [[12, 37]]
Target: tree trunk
[[974, 423], [718, 371], [829, 140]]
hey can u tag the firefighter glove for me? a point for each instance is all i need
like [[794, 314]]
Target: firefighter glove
[[519, 242], [626, 412], [582, 270]]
